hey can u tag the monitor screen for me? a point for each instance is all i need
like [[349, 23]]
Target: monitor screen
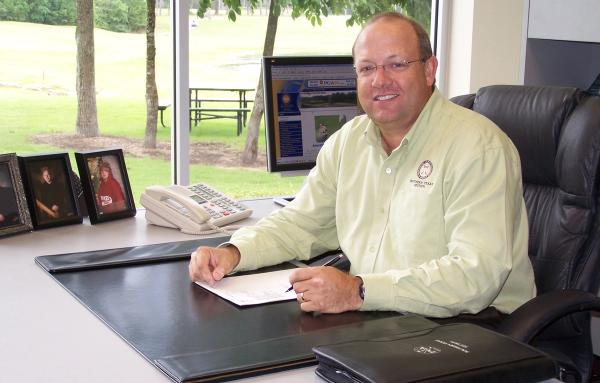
[[306, 100]]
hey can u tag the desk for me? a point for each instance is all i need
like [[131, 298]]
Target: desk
[[47, 336], [201, 105]]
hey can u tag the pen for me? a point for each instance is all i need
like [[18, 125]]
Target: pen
[[328, 263]]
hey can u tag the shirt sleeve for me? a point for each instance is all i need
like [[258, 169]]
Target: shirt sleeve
[[301, 230], [483, 208]]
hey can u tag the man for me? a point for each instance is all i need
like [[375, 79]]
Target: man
[[423, 196]]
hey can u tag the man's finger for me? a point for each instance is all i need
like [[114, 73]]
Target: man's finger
[[302, 274], [203, 267], [308, 306]]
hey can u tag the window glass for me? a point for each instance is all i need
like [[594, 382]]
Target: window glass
[[38, 93]]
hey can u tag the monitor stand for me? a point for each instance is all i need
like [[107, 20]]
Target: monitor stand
[[283, 201]]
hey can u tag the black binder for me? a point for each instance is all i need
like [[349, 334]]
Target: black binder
[[459, 352]]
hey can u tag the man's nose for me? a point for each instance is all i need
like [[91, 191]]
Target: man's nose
[[381, 77]]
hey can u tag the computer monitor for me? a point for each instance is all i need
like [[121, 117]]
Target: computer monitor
[[307, 98]]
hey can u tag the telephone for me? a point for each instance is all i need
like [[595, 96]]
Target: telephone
[[195, 209]]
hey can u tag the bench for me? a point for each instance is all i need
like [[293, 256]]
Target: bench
[[205, 107], [211, 113], [162, 106]]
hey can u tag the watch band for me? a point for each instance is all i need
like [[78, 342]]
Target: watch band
[[361, 290]]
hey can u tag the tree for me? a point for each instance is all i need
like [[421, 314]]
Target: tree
[[87, 116], [251, 146], [360, 11], [151, 91]]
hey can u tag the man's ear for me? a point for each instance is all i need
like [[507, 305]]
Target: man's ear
[[431, 65]]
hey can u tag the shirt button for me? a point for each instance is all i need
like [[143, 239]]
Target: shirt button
[[371, 249], [388, 171]]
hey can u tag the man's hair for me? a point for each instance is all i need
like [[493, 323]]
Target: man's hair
[[422, 35]]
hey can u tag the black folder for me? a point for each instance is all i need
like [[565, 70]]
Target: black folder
[[144, 295], [450, 353]]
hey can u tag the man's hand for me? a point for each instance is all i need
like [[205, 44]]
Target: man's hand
[[210, 264], [326, 289]]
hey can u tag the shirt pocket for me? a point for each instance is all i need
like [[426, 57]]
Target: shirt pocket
[[417, 223]]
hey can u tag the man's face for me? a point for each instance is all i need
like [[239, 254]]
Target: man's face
[[47, 177], [392, 98]]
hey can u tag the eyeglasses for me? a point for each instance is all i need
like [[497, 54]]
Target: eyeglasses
[[366, 70]]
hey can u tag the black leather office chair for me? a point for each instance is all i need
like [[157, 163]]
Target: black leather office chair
[[557, 133]]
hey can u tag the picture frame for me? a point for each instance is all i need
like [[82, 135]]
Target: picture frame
[[105, 185], [14, 212], [48, 183]]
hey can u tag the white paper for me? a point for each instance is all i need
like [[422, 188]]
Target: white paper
[[254, 289]]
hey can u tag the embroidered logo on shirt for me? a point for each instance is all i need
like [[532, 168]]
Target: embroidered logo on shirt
[[425, 169], [423, 172]]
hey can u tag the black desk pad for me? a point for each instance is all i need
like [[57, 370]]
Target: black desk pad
[[193, 335]]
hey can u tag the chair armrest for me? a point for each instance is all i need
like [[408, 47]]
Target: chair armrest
[[533, 316]]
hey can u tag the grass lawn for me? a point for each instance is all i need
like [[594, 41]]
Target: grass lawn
[[56, 114], [37, 87]]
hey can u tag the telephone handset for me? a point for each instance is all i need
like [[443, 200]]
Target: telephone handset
[[195, 209]]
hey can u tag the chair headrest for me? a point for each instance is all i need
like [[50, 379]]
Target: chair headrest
[[533, 117]]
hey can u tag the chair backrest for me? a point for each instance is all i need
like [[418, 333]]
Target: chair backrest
[[557, 133]]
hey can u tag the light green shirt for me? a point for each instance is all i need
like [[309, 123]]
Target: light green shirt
[[437, 228]]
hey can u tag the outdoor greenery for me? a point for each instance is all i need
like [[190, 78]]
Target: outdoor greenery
[[55, 12], [37, 85], [120, 15], [38, 96], [355, 11], [112, 15]]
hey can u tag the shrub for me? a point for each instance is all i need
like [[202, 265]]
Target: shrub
[[120, 15]]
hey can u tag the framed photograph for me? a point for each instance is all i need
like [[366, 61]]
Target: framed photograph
[[14, 212], [105, 185], [49, 189]]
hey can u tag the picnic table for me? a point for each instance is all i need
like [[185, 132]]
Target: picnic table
[[162, 106], [208, 103]]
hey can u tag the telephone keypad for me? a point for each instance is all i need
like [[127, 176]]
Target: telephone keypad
[[218, 205]]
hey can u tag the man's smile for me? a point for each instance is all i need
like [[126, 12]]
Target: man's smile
[[385, 97]]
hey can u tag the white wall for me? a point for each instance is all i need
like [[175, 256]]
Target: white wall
[[491, 54]]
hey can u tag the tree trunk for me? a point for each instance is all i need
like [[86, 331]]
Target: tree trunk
[[151, 91], [251, 147], [87, 115]]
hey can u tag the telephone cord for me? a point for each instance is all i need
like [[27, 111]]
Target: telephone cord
[[229, 230]]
